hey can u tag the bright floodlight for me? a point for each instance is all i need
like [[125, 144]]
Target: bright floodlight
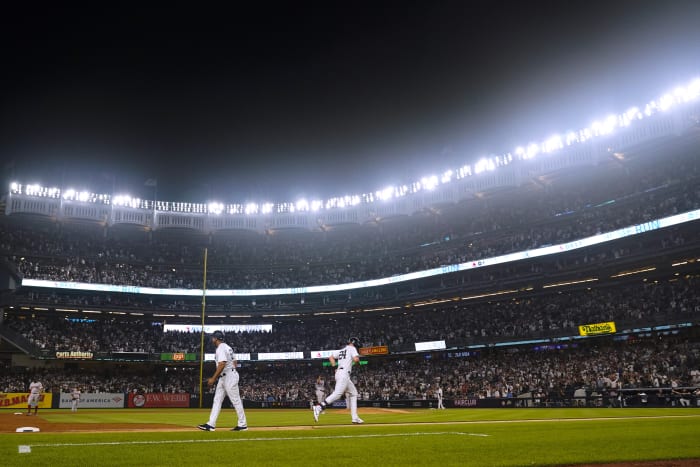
[[302, 205], [14, 186], [666, 102], [632, 114], [482, 165], [386, 193], [446, 177], [532, 150], [267, 208], [694, 89], [216, 208], [552, 144], [251, 208], [429, 183]]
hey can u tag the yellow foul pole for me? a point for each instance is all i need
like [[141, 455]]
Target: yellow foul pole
[[201, 347]]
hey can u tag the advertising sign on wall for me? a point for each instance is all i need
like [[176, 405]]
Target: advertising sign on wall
[[18, 400], [96, 400], [376, 350], [159, 399], [597, 329]]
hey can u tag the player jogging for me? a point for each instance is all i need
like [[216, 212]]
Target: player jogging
[[35, 390], [227, 385], [74, 399], [345, 359]]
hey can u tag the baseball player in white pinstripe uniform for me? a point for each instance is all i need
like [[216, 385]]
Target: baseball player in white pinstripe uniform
[[345, 359], [74, 399], [320, 389], [35, 390], [226, 379]]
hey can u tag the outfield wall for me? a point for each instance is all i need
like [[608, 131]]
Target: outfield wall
[[663, 397]]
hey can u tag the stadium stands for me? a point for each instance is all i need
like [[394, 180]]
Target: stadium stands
[[489, 317]]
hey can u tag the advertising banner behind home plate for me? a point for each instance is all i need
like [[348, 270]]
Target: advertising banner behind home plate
[[94, 400]]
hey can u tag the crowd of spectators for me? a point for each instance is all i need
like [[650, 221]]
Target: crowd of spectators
[[545, 375], [519, 220], [634, 304]]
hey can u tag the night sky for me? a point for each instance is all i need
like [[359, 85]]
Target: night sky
[[301, 99]]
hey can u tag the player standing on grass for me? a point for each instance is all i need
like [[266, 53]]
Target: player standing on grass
[[74, 399], [35, 390], [227, 385], [345, 358], [438, 392], [320, 389]]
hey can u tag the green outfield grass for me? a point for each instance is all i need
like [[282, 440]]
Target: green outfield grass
[[479, 437]]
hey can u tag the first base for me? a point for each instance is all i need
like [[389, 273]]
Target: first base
[[27, 429]]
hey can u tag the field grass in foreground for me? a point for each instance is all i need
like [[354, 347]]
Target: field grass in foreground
[[479, 437]]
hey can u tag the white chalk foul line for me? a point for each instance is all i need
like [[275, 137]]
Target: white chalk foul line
[[27, 448]]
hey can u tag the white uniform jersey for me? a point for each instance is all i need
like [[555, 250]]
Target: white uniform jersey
[[36, 388], [320, 385], [224, 353], [75, 395], [345, 358]]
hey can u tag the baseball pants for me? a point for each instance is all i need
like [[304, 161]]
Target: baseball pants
[[344, 385], [227, 386]]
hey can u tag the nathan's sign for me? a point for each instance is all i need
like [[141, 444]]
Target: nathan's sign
[[18, 400], [75, 355], [376, 350], [597, 329]]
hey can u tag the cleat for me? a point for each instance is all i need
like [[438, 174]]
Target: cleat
[[239, 428], [206, 427], [317, 410], [358, 421]]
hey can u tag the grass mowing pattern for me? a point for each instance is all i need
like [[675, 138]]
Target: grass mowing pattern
[[539, 437]]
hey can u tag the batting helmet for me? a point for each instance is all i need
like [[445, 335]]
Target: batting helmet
[[354, 341]]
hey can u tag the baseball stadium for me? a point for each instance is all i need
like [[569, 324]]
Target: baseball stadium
[[539, 307]]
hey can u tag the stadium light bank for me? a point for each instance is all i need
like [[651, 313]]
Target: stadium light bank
[[599, 128]]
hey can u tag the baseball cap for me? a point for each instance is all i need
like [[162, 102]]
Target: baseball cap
[[218, 334]]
